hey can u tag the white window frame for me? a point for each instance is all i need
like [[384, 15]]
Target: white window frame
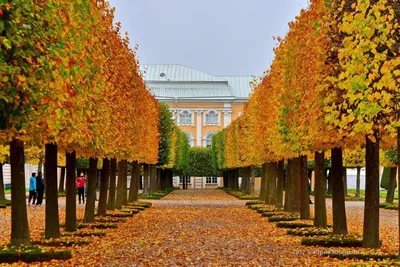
[[216, 113], [188, 112], [206, 137], [190, 137], [211, 180], [188, 180]]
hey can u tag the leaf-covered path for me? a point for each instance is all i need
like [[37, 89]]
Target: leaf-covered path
[[200, 228]]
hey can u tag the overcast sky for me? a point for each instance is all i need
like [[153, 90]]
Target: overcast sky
[[220, 37]]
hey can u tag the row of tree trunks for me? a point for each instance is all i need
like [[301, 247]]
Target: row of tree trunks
[[270, 176], [146, 184]]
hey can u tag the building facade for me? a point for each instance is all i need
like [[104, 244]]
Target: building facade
[[202, 104]]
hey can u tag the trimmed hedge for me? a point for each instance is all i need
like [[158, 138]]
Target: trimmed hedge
[[61, 243], [293, 225], [248, 197], [278, 218], [86, 234], [156, 195], [132, 211], [273, 213], [333, 241], [362, 256], [3, 206], [121, 215], [141, 208], [389, 206], [10, 254], [309, 231], [254, 202], [109, 220]]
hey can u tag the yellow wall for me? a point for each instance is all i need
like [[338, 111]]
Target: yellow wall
[[236, 108]]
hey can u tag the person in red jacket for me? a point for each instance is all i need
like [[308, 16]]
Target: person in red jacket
[[80, 184]]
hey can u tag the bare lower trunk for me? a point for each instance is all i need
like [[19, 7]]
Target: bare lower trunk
[[19, 218], [338, 201], [153, 179], [125, 185], [105, 175], [120, 184], [371, 207], [392, 185], [62, 180], [320, 219], [52, 223], [270, 181], [304, 193], [134, 185], [263, 181], [146, 188], [345, 181], [91, 191], [113, 181], [279, 184], [292, 194], [70, 202]]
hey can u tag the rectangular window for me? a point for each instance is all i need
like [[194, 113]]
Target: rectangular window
[[185, 117], [211, 118], [211, 180], [187, 180]]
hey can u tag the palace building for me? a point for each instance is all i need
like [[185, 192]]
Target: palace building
[[202, 104]]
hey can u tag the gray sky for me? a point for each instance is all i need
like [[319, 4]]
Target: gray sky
[[220, 37]]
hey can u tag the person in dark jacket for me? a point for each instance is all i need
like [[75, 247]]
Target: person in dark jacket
[[39, 189]]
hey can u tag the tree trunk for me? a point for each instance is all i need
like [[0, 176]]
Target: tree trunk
[[371, 207], [236, 179], [2, 192], [263, 182], [398, 175], [134, 186], [270, 182], [292, 194], [120, 184], [70, 202], [113, 181], [105, 175], [345, 181], [304, 193], [392, 185], [91, 191], [19, 218], [248, 180], [62, 180], [225, 179], [279, 184], [320, 219], [153, 182], [358, 181], [125, 185], [146, 188], [52, 223], [338, 200]]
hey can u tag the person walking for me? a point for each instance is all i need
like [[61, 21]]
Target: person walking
[[80, 184], [32, 189], [39, 189]]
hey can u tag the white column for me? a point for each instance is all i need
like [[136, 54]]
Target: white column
[[198, 130], [227, 117]]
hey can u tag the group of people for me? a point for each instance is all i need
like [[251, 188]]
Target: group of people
[[36, 189]]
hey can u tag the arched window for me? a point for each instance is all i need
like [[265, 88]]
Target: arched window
[[212, 117], [208, 139], [185, 117], [190, 138]]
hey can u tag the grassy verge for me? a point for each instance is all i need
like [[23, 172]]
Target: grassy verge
[[156, 195], [10, 254]]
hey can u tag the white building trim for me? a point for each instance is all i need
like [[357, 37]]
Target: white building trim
[[182, 111], [198, 130], [227, 118], [212, 111]]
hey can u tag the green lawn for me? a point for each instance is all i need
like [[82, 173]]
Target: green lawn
[[382, 193]]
